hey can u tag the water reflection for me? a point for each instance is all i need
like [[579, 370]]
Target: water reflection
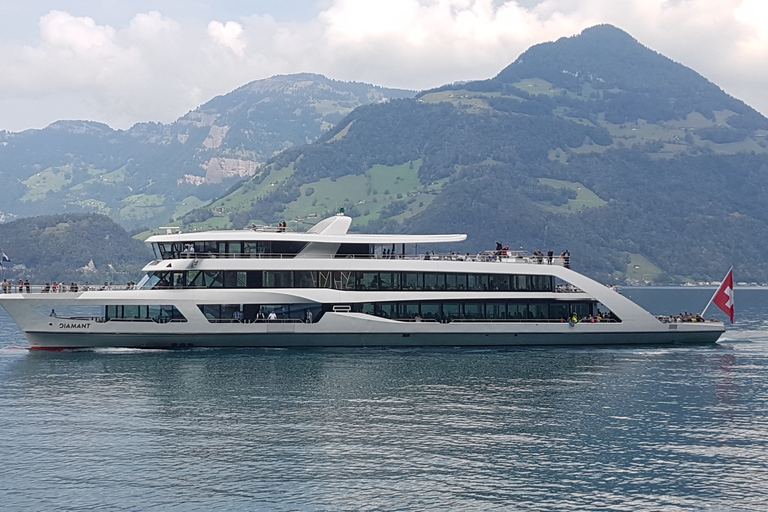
[[630, 428], [352, 429]]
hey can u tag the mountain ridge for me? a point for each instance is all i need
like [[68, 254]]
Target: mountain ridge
[[153, 172]]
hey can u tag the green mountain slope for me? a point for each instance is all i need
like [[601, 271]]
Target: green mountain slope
[[592, 143]]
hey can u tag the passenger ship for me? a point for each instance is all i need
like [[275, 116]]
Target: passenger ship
[[330, 288]]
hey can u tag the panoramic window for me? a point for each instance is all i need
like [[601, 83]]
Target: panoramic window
[[492, 310], [259, 313], [363, 281], [143, 313]]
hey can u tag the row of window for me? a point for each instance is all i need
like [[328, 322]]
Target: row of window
[[309, 312], [138, 313], [441, 311], [252, 249], [446, 311], [362, 281], [176, 250]]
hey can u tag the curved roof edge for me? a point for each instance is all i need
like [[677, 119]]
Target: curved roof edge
[[353, 238]]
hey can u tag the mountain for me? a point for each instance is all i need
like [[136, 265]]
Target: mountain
[[153, 172], [643, 169], [71, 247]]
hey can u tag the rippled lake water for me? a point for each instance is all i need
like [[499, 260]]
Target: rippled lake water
[[608, 428]]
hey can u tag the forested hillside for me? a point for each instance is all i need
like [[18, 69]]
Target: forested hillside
[[61, 247], [640, 167]]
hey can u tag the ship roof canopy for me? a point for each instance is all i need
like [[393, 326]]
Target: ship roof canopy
[[333, 230], [246, 235]]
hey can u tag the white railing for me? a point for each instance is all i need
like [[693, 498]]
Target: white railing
[[64, 288], [41, 288], [487, 256]]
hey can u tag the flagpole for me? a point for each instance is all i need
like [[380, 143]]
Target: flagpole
[[716, 290]]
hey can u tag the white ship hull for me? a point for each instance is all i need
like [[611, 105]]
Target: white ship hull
[[334, 329]]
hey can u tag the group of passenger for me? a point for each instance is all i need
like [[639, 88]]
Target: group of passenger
[[8, 286], [500, 252], [540, 257], [606, 316], [282, 227], [237, 316], [683, 317], [23, 285], [60, 287]]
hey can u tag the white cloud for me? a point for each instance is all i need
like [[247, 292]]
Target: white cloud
[[152, 24], [229, 35], [80, 35], [154, 67]]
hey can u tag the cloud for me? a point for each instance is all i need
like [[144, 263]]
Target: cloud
[[79, 35], [156, 68], [229, 35], [152, 24]]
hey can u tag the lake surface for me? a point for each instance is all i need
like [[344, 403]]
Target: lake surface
[[608, 428]]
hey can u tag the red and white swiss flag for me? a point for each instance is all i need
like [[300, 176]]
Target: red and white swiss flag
[[724, 296]]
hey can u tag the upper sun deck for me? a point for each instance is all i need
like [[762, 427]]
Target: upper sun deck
[[329, 237]]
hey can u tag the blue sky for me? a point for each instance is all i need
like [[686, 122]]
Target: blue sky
[[127, 61]]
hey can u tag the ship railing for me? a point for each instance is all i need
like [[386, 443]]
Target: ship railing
[[255, 321], [528, 320], [101, 319], [683, 319], [487, 256], [61, 289], [36, 288], [97, 319], [567, 288], [145, 320]]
